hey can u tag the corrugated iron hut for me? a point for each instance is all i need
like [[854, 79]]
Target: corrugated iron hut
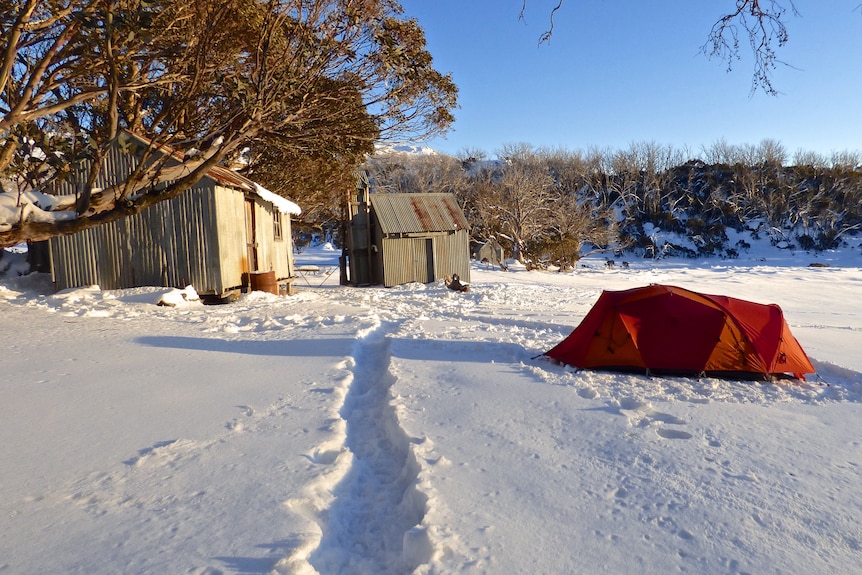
[[401, 238], [224, 235]]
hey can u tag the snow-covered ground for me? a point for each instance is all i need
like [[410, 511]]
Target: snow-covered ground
[[412, 430]]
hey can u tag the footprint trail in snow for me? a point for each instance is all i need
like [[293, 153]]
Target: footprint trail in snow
[[372, 523]]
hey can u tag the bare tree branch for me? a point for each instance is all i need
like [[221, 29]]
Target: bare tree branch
[[762, 22], [546, 35]]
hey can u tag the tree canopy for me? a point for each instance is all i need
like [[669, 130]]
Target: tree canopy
[[310, 82]]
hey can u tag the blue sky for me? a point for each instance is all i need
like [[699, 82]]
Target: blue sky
[[623, 71]]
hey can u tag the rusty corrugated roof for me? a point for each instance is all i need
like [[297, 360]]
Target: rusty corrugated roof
[[221, 175], [416, 213]]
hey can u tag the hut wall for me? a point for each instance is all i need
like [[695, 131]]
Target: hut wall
[[273, 254], [197, 238], [452, 255], [405, 260], [173, 243], [229, 219], [425, 258], [181, 249], [87, 258]]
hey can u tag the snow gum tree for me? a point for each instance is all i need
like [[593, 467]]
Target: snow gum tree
[[523, 198], [578, 215], [300, 88]]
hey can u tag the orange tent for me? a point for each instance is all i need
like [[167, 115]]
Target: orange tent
[[666, 329]]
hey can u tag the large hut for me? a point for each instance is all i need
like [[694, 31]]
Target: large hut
[[223, 236]]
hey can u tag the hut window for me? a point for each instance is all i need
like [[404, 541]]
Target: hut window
[[276, 225]]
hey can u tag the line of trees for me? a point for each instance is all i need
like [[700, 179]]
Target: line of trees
[[549, 206]]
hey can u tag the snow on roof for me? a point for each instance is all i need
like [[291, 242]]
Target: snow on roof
[[284, 205]]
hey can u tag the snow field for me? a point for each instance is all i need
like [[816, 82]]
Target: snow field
[[413, 430]]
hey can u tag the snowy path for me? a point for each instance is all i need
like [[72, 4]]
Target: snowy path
[[378, 430], [377, 504]]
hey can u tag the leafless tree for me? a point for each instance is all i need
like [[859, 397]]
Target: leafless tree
[[846, 159], [759, 23], [720, 152], [526, 193], [409, 173], [772, 153], [808, 158]]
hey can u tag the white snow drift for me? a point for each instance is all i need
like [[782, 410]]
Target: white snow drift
[[413, 430]]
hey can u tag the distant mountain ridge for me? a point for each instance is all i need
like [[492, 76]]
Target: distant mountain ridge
[[382, 149]]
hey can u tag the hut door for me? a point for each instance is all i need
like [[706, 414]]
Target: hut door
[[423, 260], [429, 260], [251, 236]]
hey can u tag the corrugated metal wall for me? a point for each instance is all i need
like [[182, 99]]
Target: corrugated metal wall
[[452, 255], [273, 255], [197, 238], [402, 258], [173, 243], [229, 216], [406, 259]]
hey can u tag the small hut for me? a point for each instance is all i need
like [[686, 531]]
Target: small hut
[[222, 236], [401, 238]]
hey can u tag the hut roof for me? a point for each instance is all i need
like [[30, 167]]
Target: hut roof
[[415, 213], [230, 179]]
